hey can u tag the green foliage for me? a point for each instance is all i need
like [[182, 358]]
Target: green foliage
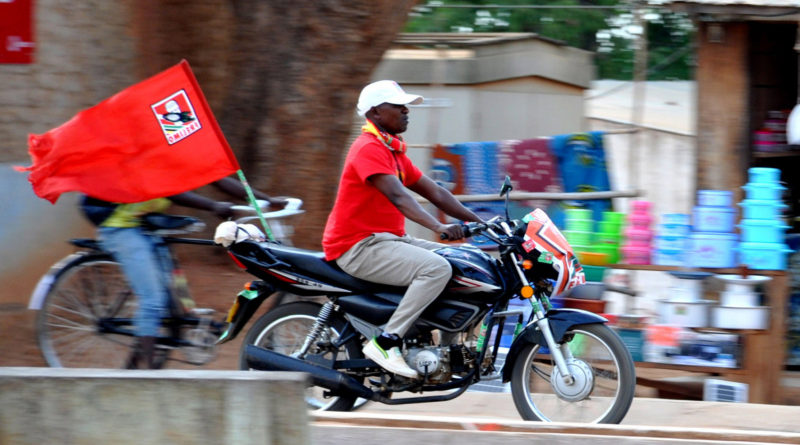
[[605, 31]]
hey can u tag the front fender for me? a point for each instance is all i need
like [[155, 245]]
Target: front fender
[[561, 320]]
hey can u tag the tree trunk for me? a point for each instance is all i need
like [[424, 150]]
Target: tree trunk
[[283, 78]]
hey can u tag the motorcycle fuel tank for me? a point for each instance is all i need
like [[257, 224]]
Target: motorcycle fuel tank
[[475, 274]]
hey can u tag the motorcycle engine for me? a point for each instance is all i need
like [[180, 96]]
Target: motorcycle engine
[[433, 360]]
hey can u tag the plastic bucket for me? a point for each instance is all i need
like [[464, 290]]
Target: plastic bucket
[[578, 213], [714, 198], [636, 235], [640, 219], [764, 191], [671, 243], [669, 257], [762, 231], [612, 250], [713, 219], [593, 273], [764, 256], [712, 249], [613, 217], [609, 227], [762, 209], [636, 254], [674, 229], [578, 237], [764, 174], [580, 225], [607, 238], [641, 206], [680, 219]]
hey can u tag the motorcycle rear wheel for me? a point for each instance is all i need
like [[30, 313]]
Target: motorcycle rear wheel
[[604, 386], [284, 329]]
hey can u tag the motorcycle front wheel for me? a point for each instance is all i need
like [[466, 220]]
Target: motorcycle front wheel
[[284, 329], [603, 372]]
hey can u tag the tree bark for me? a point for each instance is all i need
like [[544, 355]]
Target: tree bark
[[283, 78]]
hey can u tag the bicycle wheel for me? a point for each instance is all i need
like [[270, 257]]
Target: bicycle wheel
[[284, 329], [605, 379], [90, 289]]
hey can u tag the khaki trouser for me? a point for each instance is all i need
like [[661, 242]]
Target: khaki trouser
[[400, 261]]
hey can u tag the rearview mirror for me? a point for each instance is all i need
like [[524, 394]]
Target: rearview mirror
[[507, 187]]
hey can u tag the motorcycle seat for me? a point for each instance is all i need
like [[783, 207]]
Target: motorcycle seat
[[313, 263]]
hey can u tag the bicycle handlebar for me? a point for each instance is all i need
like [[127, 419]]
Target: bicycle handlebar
[[291, 208]]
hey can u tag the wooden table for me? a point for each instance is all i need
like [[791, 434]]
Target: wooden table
[[763, 351]]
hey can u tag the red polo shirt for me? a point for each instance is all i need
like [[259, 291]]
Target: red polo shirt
[[361, 209]]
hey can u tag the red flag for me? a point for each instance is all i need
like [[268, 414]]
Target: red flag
[[154, 139]]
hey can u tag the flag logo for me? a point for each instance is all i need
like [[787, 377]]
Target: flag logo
[[176, 116]]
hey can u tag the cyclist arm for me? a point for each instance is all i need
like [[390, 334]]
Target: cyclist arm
[[197, 201]]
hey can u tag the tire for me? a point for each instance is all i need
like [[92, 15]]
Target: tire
[[605, 379], [284, 328], [86, 290]]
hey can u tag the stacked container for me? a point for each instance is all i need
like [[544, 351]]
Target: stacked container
[[579, 229], [672, 239], [609, 234], [638, 235], [762, 228], [712, 242]]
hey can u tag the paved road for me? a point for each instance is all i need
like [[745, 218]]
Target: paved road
[[644, 411]]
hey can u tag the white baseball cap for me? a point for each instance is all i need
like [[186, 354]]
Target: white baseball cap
[[384, 91]]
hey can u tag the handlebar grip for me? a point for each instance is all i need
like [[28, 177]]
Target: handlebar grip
[[464, 227]]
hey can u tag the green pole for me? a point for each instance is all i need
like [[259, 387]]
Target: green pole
[[252, 199]]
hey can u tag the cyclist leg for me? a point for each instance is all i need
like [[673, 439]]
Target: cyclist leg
[[136, 253]]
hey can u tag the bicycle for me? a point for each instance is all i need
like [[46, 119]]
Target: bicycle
[[86, 307]]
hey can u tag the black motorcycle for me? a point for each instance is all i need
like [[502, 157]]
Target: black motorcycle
[[564, 365]]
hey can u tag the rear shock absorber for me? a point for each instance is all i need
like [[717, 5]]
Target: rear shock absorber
[[319, 325]]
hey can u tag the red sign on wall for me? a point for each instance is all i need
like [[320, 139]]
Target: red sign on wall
[[16, 31]]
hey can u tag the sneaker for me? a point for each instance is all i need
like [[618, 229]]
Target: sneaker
[[390, 360]]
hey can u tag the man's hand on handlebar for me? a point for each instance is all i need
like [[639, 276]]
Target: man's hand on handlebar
[[451, 232]]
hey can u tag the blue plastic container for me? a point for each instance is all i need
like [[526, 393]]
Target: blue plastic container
[[764, 256], [669, 257], [713, 219], [765, 191], [762, 231], [674, 229], [762, 209], [764, 174], [712, 249], [670, 243], [680, 219], [714, 198]]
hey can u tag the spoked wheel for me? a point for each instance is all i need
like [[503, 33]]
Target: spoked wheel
[[88, 290], [284, 329], [604, 379]]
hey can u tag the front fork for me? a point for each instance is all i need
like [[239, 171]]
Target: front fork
[[542, 323], [557, 352]]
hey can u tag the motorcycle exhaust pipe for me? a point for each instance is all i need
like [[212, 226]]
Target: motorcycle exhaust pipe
[[266, 360]]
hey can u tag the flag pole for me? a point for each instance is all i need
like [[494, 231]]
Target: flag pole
[[252, 199]]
